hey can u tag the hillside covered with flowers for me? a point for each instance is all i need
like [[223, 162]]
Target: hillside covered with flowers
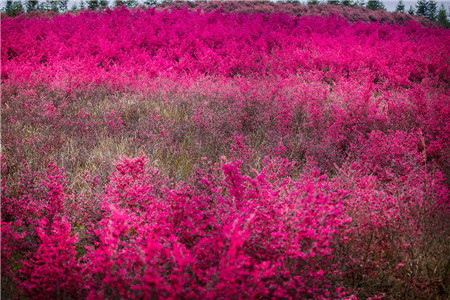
[[208, 153]]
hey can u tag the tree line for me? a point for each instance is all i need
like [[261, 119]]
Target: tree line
[[426, 8]]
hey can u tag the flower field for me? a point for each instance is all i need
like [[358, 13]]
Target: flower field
[[183, 153]]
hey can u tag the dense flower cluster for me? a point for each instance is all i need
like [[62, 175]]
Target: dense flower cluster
[[204, 154]]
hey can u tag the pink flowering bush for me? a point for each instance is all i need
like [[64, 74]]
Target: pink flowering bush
[[400, 207], [54, 271], [226, 151], [235, 241]]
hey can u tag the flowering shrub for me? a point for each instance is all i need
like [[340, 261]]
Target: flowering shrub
[[53, 272], [248, 238], [399, 206], [203, 153]]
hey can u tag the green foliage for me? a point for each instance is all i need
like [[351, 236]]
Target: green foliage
[[49, 5], [58, 6], [312, 2], [62, 5], [13, 8], [128, 3], [93, 4], [400, 7], [131, 3], [31, 5], [427, 9], [421, 7], [442, 17], [375, 5], [333, 2], [347, 2], [411, 10], [151, 3], [431, 10]]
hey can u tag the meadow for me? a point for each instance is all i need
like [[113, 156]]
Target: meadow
[[184, 153]]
